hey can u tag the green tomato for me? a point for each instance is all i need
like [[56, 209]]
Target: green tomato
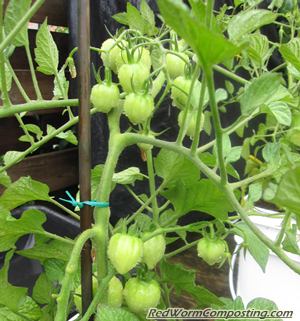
[[180, 91], [175, 65], [125, 252], [212, 251], [154, 250], [140, 295], [105, 97], [115, 292], [111, 55], [138, 107], [78, 294], [192, 118], [141, 55], [132, 77]]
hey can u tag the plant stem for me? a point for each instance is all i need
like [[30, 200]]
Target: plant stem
[[57, 237], [10, 37], [230, 74], [37, 105], [165, 230], [217, 124], [41, 142], [32, 72], [152, 186], [285, 222], [71, 269], [181, 249], [22, 125], [68, 211], [137, 198]]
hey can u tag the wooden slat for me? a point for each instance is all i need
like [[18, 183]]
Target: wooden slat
[[57, 169], [55, 10], [19, 59]]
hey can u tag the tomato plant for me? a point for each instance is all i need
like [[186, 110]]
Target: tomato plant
[[155, 61]]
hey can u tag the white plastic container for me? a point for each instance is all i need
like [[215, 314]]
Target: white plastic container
[[279, 283], [74, 317]]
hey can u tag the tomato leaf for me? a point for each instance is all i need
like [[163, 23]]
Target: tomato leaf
[[291, 52], [259, 92], [257, 249], [12, 229], [246, 22], [128, 176], [12, 156], [202, 196], [108, 313], [4, 179], [210, 46], [22, 191], [149, 17], [15, 10], [42, 290], [46, 53], [288, 191], [183, 280], [281, 112], [135, 19]]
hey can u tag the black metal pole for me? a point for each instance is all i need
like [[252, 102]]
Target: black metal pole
[[85, 147]]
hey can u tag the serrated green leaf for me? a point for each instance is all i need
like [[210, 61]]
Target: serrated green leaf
[[108, 313], [32, 128], [128, 176], [42, 290], [248, 21], [259, 92], [24, 190], [288, 191], [291, 52], [202, 196], [149, 17], [46, 53], [183, 280], [15, 11], [7, 315], [263, 304], [257, 249], [4, 179], [135, 19], [30, 310], [122, 18], [172, 167], [11, 156], [210, 46], [8, 78], [12, 229], [290, 242], [258, 49], [281, 112], [255, 192], [69, 136]]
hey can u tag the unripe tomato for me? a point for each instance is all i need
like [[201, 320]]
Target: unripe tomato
[[180, 91], [141, 55], [138, 107], [192, 117], [140, 295], [154, 250], [112, 55], [294, 132], [105, 97], [115, 292], [175, 65], [212, 251], [125, 252], [78, 294], [133, 76]]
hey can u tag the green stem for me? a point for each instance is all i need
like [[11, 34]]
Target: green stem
[[198, 128], [217, 124], [65, 95], [137, 198], [165, 230], [152, 186], [57, 237], [22, 125], [285, 222], [41, 142], [19, 85], [10, 37], [181, 249], [230, 75], [65, 209], [32, 72], [71, 269], [37, 105], [101, 215]]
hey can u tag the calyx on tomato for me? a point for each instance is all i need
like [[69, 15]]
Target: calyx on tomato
[[140, 55], [138, 107], [125, 252], [212, 251], [141, 295]]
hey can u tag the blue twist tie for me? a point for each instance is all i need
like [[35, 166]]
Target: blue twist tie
[[81, 204]]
